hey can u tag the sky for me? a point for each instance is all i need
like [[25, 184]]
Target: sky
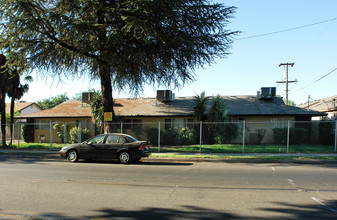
[[303, 32]]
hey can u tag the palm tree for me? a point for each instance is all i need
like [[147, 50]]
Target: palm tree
[[97, 111], [200, 105], [15, 91], [3, 87], [217, 112]]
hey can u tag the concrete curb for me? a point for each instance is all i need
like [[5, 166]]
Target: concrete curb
[[44, 155]]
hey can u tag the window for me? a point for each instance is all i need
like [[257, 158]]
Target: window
[[132, 123], [178, 123], [42, 124], [281, 122], [86, 123], [97, 140], [112, 139], [130, 139]]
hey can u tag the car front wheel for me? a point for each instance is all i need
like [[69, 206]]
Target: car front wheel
[[124, 157], [72, 156]]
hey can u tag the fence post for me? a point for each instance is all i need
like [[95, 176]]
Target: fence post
[[121, 127], [51, 135], [64, 133], [200, 139], [18, 134], [158, 136], [335, 136], [79, 132], [288, 136], [243, 135]]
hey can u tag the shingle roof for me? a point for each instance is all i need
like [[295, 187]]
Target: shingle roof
[[181, 106], [323, 105], [152, 107], [67, 109], [18, 106], [250, 105]]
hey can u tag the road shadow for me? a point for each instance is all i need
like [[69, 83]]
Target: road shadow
[[141, 163], [320, 210], [24, 160], [186, 212], [282, 211]]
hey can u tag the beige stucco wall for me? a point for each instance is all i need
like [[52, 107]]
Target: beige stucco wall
[[252, 124], [263, 122], [70, 123]]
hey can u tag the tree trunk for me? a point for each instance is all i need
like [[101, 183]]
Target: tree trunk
[[3, 117], [104, 71], [107, 98]]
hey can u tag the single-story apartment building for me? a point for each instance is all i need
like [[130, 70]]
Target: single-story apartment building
[[262, 111]]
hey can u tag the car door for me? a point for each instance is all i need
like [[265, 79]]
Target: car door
[[113, 144], [93, 147]]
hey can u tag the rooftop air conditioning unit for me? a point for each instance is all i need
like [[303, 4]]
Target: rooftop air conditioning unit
[[268, 93], [164, 95], [86, 97]]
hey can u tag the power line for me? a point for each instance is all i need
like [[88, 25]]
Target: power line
[[286, 30], [317, 80]]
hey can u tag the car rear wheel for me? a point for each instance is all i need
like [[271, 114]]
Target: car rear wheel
[[72, 156], [124, 157]]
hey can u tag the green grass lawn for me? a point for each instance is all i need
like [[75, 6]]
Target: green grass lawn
[[223, 148], [236, 148], [38, 146]]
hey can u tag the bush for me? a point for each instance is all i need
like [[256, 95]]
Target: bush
[[27, 132], [74, 138], [169, 137], [223, 133], [280, 135], [152, 135], [186, 136], [230, 132], [297, 135], [59, 131], [326, 133]]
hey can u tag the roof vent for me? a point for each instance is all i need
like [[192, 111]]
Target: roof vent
[[267, 93], [165, 95]]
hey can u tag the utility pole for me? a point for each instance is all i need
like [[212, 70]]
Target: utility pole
[[286, 78]]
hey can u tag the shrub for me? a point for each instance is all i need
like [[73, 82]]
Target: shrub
[[260, 135], [169, 137], [223, 133], [231, 132], [27, 132], [297, 135], [152, 135], [59, 131], [280, 135], [74, 138], [186, 136], [326, 133]]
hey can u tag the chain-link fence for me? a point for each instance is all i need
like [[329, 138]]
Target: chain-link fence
[[224, 137]]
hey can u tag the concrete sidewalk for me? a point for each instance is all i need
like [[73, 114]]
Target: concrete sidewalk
[[178, 156]]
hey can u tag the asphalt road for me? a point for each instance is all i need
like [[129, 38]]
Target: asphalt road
[[54, 189]]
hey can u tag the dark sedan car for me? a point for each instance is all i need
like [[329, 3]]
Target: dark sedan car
[[123, 147]]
